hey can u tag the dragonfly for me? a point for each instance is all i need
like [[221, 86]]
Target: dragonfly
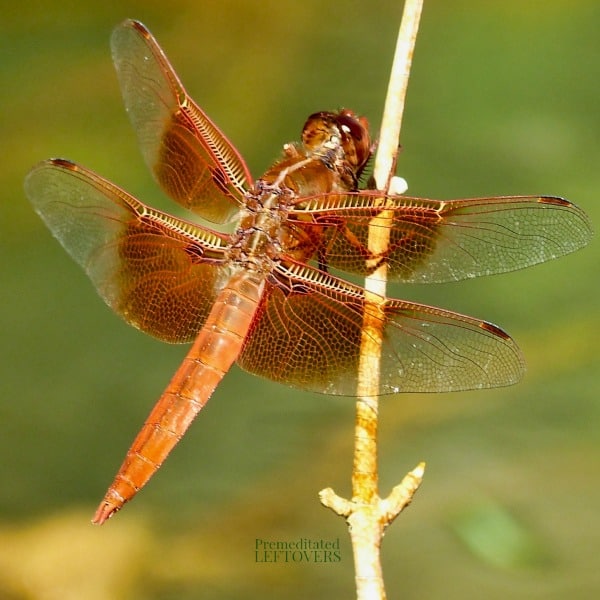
[[268, 295]]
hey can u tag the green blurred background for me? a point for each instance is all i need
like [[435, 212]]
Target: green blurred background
[[504, 99]]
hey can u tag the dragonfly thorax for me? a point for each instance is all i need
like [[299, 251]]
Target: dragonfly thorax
[[257, 237]]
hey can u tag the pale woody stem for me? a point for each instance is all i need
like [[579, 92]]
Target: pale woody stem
[[367, 514], [366, 523]]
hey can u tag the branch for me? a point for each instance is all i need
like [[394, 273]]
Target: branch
[[367, 514]]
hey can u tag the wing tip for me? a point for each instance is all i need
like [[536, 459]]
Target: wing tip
[[585, 230], [63, 163], [495, 330], [138, 26]]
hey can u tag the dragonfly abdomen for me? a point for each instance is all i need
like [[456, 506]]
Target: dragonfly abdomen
[[217, 346]]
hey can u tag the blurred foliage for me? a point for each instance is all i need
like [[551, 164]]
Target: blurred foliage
[[503, 99]]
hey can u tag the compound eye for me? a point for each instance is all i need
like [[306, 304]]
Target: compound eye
[[356, 140]]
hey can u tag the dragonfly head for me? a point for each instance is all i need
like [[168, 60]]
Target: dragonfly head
[[340, 136]]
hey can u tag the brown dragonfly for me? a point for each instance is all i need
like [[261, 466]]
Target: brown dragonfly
[[265, 296]]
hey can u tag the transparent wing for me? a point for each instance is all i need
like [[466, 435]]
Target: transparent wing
[[190, 157], [307, 333], [159, 273], [437, 241]]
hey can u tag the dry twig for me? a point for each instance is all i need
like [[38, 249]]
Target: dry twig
[[367, 514]]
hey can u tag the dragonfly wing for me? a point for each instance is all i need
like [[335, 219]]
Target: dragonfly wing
[[161, 274], [430, 241], [309, 326], [190, 157]]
